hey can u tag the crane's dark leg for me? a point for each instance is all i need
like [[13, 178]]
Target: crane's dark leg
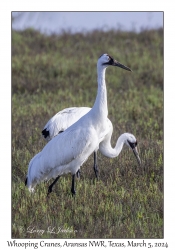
[[51, 186], [95, 164], [26, 182], [73, 185], [78, 173]]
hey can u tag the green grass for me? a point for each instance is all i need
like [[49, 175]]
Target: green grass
[[50, 73]]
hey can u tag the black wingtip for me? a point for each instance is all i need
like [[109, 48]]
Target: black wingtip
[[45, 133], [26, 182]]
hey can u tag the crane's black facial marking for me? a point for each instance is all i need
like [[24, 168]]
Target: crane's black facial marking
[[132, 144], [110, 62], [45, 133], [113, 62]]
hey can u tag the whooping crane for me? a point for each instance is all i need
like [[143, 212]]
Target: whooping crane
[[67, 151]]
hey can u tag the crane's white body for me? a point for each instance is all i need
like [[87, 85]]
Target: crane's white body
[[67, 151]]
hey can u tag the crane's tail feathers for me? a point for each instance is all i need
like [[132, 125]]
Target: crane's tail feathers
[[45, 133], [30, 188]]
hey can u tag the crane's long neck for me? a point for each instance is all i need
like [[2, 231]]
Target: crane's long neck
[[107, 150], [100, 106]]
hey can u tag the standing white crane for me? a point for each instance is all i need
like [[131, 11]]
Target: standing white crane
[[67, 151]]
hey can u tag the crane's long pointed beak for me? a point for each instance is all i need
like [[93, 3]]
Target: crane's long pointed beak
[[135, 151], [118, 64]]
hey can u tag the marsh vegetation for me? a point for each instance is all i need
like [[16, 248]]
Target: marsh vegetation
[[50, 73]]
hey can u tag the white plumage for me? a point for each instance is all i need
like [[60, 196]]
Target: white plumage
[[67, 151], [62, 120]]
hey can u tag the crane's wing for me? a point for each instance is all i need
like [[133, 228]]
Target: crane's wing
[[64, 153], [62, 120], [67, 146]]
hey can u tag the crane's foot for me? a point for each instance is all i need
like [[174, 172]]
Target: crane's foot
[[49, 190], [51, 186], [73, 191], [96, 171]]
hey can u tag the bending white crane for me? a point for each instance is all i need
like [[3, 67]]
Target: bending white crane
[[67, 151]]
